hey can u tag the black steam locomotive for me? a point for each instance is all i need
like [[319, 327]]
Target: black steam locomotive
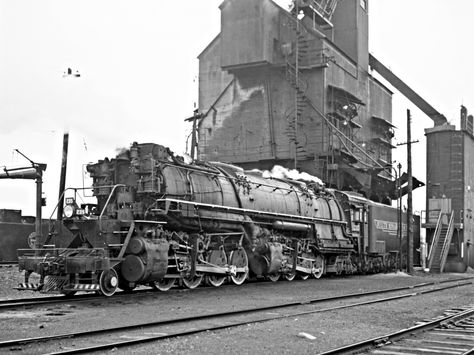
[[159, 221]]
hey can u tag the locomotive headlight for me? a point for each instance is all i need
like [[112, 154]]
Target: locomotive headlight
[[68, 211]]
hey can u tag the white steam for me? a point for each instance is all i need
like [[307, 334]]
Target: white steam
[[280, 172]]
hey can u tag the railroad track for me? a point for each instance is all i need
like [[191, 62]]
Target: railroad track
[[451, 334], [8, 264], [110, 338], [10, 304]]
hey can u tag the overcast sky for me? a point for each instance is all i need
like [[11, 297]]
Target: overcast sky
[[138, 66]]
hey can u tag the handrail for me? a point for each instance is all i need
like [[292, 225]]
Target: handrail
[[434, 242], [127, 240], [198, 205], [300, 84], [447, 242], [340, 134], [107, 202], [51, 225]]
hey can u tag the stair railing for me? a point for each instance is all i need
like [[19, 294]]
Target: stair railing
[[435, 240], [447, 242], [293, 77], [325, 8]]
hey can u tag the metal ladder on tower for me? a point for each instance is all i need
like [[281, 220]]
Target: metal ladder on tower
[[302, 101], [293, 76], [300, 104]]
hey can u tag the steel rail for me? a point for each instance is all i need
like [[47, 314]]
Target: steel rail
[[377, 341], [17, 342], [39, 301], [236, 324]]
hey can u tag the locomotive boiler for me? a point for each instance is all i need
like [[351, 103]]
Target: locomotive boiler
[[159, 220]]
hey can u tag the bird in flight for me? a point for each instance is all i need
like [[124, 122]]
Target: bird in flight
[[69, 72]]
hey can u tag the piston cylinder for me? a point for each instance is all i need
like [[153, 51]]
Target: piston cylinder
[[147, 261]]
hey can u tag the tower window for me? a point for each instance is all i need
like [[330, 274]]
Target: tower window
[[363, 4]]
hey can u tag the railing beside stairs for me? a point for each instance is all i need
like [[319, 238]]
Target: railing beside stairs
[[443, 234], [447, 242], [435, 240]]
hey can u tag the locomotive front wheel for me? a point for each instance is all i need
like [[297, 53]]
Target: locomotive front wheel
[[290, 276], [216, 257], [163, 284], [318, 266], [239, 259], [108, 282], [192, 282]]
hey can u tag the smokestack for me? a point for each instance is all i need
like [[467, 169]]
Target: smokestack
[[62, 178]]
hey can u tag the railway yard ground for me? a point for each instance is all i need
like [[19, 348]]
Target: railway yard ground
[[301, 329]]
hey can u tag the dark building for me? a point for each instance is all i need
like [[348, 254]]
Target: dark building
[[450, 193], [298, 93]]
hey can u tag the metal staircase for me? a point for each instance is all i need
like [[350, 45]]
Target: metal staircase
[[301, 59], [292, 76], [440, 244]]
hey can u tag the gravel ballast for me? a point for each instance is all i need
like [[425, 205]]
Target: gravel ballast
[[328, 330]]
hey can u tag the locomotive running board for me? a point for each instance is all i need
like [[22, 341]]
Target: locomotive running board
[[198, 205]]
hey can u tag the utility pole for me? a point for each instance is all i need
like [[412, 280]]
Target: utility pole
[[410, 202], [194, 119], [399, 219], [409, 196]]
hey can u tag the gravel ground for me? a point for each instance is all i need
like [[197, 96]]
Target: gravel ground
[[9, 278], [330, 329]]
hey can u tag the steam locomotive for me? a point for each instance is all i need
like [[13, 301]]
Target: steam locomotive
[[160, 220]]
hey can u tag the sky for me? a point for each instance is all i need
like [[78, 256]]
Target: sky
[[139, 69]]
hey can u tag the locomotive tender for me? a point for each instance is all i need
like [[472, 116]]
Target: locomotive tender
[[159, 220]]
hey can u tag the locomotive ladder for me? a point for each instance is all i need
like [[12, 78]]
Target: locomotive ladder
[[440, 244]]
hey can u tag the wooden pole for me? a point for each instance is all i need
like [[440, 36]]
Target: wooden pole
[[409, 202], [399, 211], [193, 137]]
